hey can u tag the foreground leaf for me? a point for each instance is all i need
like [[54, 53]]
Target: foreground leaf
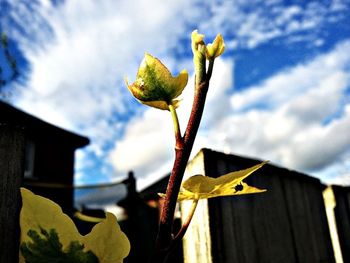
[[40, 215]]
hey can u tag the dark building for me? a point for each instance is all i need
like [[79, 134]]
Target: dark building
[[49, 155]]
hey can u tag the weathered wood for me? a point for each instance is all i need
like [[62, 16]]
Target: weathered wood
[[308, 218], [342, 217], [251, 228], [11, 173]]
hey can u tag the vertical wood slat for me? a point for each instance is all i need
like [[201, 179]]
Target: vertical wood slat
[[11, 173], [342, 217], [308, 218]]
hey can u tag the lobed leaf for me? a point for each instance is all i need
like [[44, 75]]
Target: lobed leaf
[[203, 187]]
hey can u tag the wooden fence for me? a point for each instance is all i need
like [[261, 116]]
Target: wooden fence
[[11, 174], [287, 223]]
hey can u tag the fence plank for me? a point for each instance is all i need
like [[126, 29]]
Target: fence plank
[[308, 217], [11, 172], [342, 215]]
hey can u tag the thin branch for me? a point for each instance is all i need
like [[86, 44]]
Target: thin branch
[[178, 138], [185, 225], [177, 240]]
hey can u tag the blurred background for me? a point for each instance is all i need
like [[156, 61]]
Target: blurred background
[[280, 92]]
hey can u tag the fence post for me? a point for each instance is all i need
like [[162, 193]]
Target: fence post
[[11, 173]]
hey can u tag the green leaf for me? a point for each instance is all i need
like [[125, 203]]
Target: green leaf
[[155, 86]]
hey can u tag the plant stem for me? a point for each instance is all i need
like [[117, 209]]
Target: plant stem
[[165, 238], [176, 241]]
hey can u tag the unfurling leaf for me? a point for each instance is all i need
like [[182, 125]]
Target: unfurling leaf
[[58, 234], [155, 86], [216, 48], [202, 187]]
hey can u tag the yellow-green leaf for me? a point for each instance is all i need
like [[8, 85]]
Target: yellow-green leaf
[[155, 86], [201, 187], [216, 48], [39, 213]]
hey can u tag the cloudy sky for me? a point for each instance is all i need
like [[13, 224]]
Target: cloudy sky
[[280, 92]]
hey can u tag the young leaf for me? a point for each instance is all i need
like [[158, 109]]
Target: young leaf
[[216, 48], [155, 86]]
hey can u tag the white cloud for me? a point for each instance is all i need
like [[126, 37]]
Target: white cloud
[[146, 137], [292, 82], [270, 20], [86, 59]]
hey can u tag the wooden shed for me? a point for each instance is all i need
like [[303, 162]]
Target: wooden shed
[[48, 155], [287, 223]]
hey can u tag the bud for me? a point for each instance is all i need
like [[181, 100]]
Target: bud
[[197, 41], [155, 86], [216, 48]]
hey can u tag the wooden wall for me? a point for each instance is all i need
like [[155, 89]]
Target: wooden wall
[[287, 223]]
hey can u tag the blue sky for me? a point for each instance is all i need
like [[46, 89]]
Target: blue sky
[[280, 92]]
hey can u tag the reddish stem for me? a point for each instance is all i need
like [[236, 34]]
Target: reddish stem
[[165, 238]]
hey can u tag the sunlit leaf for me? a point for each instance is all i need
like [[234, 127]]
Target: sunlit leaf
[[108, 246], [202, 187], [155, 86], [41, 215]]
